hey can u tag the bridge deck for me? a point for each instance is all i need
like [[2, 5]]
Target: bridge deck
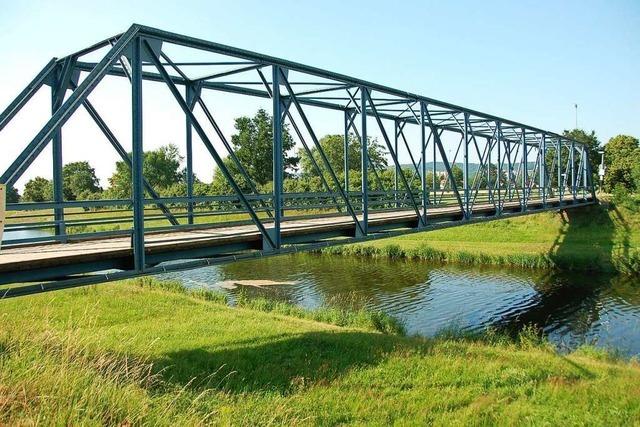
[[27, 260]]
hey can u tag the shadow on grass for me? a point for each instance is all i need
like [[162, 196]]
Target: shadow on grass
[[583, 249], [586, 239], [284, 364]]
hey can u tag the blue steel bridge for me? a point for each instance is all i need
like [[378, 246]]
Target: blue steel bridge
[[518, 169]]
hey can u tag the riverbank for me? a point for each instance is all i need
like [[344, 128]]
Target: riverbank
[[594, 238], [137, 352]]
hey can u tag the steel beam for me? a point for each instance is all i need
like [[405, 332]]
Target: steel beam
[[58, 89], [500, 163], [191, 95], [345, 155], [27, 93], [205, 139], [525, 172], [423, 159], [465, 166], [323, 156], [364, 157], [35, 147], [137, 157], [394, 157], [277, 157]]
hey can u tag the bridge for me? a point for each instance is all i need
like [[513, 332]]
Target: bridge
[[508, 168]]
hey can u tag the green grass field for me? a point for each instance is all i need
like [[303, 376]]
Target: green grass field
[[130, 354], [602, 237]]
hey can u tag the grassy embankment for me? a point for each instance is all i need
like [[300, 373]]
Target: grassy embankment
[[127, 353], [601, 238]]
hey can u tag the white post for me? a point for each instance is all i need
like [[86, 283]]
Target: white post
[[3, 198]]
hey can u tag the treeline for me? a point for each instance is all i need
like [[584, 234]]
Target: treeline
[[252, 144]]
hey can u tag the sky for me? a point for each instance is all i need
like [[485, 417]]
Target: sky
[[529, 61]]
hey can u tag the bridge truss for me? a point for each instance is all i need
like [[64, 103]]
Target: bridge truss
[[519, 168]]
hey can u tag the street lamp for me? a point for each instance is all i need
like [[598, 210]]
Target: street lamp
[[601, 169]]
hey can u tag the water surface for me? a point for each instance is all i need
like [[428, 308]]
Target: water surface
[[571, 308]]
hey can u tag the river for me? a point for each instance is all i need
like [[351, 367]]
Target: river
[[571, 308]]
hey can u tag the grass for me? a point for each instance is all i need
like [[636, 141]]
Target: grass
[[601, 238], [134, 353]]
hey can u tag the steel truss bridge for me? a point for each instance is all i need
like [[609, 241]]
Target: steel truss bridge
[[520, 169]]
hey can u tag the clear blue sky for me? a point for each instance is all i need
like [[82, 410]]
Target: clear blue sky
[[528, 61]]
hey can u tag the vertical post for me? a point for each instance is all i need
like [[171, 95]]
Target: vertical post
[[346, 152], [511, 179], [499, 144], [433, 166], [559, 160], [138, 157], [57, 96], [572, 161], [465, 164], [190, 92], [543, 169], [423, 158], [489, 147], [3, 206], [585, 160], [277, 157], [525, 172], [395, 169], [364, 163]]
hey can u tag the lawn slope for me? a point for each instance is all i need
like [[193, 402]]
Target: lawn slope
[[598, 237], [123, 353]]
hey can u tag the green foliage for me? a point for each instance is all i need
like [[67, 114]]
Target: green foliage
[[253, 146], [12, 195], [360, 318], [458, 177], [38, 189], [493, 176], [590, 140], [595, 238], [161, 168], [333, 148], [622, 160], [79, 178]]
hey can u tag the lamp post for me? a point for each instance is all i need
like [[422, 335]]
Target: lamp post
[[601, 169]]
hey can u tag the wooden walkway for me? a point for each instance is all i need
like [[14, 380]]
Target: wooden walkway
[[54, 255]]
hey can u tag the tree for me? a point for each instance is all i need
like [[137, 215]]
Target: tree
[[458, 177], [590, 140], [493, 175], [12, 194], [38, 189], [161, 168], [253, 146], [79, 178], [333, 147], [622, 157]]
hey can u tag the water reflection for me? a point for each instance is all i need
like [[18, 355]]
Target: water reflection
[[571, 308]]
